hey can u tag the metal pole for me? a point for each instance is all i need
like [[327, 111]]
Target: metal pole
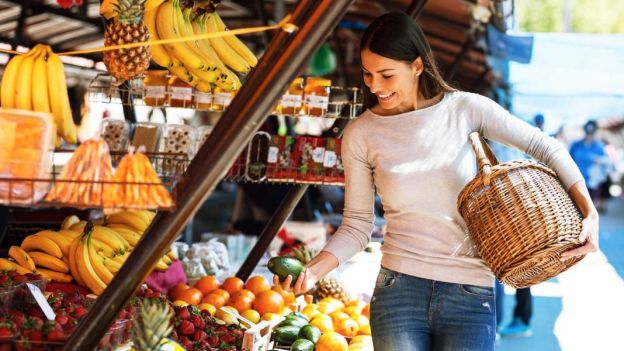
[[458, 59], [270, 230], [416, 7], [277, 68]]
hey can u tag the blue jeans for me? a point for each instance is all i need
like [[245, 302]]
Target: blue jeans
[[416, 314]]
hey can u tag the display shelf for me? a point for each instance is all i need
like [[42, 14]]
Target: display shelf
[[343, 102], [86, 194]]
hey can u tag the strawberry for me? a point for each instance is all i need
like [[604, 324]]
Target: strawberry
[[198, 322], [213, 341], [228, 338], [183, 314], [187, 344], [186, 328], [79, 312], [199, 335], [56, 335], [61, 319]]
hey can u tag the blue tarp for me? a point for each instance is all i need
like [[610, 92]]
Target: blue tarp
[[571, 78]]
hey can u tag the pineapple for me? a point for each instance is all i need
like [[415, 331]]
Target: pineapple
[[124, 28], [152, 325], [330, 287], [326, 287]]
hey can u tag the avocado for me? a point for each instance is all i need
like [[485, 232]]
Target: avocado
[[300, 315], [302, 345], [283, 266], [293, 321], [310, 332], [286, 335]]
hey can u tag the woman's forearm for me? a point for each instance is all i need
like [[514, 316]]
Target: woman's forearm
[[322, 264], [579, 194]]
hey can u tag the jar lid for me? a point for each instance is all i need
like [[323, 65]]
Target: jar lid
[[320, 82]]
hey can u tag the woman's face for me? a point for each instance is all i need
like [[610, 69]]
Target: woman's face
[[395, 83]]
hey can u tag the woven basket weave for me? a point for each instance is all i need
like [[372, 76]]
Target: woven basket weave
[[520, 218]]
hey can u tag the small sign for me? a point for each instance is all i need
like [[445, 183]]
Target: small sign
[[41, 301]]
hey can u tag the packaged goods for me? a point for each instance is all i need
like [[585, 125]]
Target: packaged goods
[[316, 98], [257, 155], [280, 161], [155, 88], [202, 101], [292, 101], [147, 135], [26, 142], [310, 155], [334, 169], [116, 133], [178, 139], [180, 93]]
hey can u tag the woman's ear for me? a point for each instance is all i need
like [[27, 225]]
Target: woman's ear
[[417, 66]]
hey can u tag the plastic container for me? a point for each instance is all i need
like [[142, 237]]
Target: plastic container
[[202, 101], [6, 298], [23, 296], [180, 93], [179, 141], [338, 99], [116, 133], [155, 88], [26, 145], [292, 101], [148, 135], [316, 100]]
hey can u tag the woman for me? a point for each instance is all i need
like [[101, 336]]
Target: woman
[[411, 145]]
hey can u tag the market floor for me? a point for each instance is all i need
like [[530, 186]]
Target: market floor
[[582, 309]]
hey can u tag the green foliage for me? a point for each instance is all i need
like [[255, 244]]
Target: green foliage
[[588, 16]]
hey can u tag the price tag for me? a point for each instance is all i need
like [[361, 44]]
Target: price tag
[[273, 153], [330, 159], [181, 93], [315, 101], [223, 99], [41, 301], [318, 154], [289, 100], [157, 92], [203, 98]]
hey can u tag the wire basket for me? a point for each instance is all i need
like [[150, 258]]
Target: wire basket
[[520, 218]]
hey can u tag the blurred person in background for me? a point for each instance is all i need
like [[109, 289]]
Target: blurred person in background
[[591, 157]]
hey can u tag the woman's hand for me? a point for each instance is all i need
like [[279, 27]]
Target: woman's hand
[[589, 235], [305, 282]]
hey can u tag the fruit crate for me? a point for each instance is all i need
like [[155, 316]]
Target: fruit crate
[[88, 194], [343, 103]]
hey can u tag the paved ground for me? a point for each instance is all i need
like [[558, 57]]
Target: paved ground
[[582, 309]]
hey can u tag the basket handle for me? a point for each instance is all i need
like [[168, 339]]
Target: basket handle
[[485, 157]]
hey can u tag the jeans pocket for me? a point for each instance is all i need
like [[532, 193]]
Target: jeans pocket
[[386, 278], [482, 291]]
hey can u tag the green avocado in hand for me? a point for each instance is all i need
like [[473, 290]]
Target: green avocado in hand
[[283, 266]]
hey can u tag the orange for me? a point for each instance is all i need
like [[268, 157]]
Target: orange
[[338, 316], [271, 316], [207, 284], [310, 313], [226, 295], [327, 308], [232, 284], [257, 284], [347, 327], [365, 339], [252, 315], [240, 302], [180, 303], [358, 304], [330, 300], [366, 311], [268, 301], [192, 296], [244, 292], [207, 307], [331, 341], [362, 321], [366, 330], [216, 300], [289, 296], [323, 322], [173, 292]]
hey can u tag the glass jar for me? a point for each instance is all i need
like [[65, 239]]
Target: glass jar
[[180, 93], [316, 98], [293, 99], [221, 98], [202, 100], [155, 88]]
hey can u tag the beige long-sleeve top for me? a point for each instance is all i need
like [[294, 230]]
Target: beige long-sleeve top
[[418, 162]]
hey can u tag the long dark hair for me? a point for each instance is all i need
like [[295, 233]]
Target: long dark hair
[[397, 36]]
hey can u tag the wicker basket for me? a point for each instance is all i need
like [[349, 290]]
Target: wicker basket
[[520, 218]]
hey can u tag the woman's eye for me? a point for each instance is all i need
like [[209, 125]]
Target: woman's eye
[[386, 77]]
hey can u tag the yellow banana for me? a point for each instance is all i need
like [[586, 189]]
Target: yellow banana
[[23, 83], [22, 258], [122, 226], [62, 241], [98, 263], [147, 216], [6, 265], [158, 52], [165, 259], [152, 4], [121, 259], [87, 273], [226, 53], [130, 219], [44, 260], [103, 248], [210, 73], [183, 73], [39, 84], [69, 221], [41, 243], [167, 27], [111, 238], [130, 236], [78, 226], [22, 270], [73, 262], [59, 98], [55, 276], [161, 266], [171, 255], [112, 265], [198, 27], [9, 79], [236, 43]]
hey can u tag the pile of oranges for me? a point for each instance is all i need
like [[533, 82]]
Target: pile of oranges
[[254, 300], [331, 315]]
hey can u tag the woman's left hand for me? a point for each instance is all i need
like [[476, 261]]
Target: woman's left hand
[[589, 235]]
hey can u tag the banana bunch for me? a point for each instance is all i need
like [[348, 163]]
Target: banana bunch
[[36, 81], [303, 254], [199, 63]]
